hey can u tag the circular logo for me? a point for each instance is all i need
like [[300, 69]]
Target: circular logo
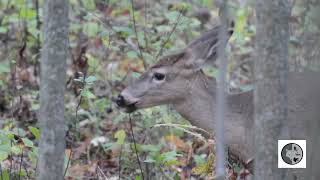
[[292, 153]]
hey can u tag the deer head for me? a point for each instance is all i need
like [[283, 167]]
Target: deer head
[[168, 81]]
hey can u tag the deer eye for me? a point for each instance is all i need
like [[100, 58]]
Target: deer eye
[[158, 76]]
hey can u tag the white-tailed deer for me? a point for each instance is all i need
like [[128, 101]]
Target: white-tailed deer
[[177, 79]]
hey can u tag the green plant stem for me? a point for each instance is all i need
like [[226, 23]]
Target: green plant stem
[[135, 147]]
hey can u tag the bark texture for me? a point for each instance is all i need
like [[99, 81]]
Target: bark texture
[[221, 95], [270, 95], [52, 87], [314, 159]]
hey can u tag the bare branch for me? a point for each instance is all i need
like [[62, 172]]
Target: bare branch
[[136, 33], [169, 36], [135, 147]]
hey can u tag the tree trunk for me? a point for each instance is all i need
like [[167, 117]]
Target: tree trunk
[[52, 87], [218, 125], [270, 95], [314, 159], [314, 57]]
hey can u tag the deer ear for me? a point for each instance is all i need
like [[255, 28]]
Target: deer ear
[[205, 48], [170, 59]]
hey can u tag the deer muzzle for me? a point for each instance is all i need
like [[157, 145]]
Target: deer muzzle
[[126, 103]]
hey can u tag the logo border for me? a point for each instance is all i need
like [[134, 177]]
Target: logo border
[[302, 164], [299, 147]]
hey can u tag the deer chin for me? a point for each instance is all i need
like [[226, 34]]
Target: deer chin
[[148, 104], [141, 105], [132, 107]]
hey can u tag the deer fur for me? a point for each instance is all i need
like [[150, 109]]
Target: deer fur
[[193, 95]]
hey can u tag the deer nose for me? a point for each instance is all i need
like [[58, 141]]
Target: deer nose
[[120, 101]]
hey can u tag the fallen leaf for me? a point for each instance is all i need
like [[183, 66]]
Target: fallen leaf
[[180, 144]]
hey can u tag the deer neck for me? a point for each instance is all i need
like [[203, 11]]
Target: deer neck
[[199, 108], [199, 102]]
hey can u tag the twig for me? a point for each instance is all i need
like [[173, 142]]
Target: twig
[[76, 129], [68, 163], [169, 36], [106, 25], [38, 46], [100, 170], [36, 164], [26, 169], [165, 174], [11, 163], [184, 128], [120, 162], [135, 147], [38, 23], [136, 33], [20, 165], [145, 23], [305, 13], [13, 71], [1, 171]]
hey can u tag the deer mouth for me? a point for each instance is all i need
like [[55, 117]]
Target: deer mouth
[[129, 108], [124, 105]]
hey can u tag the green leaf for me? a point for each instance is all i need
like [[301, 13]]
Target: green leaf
[[169, 156], [19, 132], [172, 162], [3, 29], [172, 16], [89, 4], [108, 145], [135, 75], [195, 23], [10, 135], [101, 104], [4, 67], [16, 150], [205, 168], [113, 2], [27, 142], [88, 94], [207, 3], [33, 155], [3, 155], [133, 147], [27, 14], [132, 54], [124, 31], [5, 147], [163, 28], [199, 159], [35, 106], [5, 175], [90, 79], [22, 173], [35, 132], [138, 177], [149, 159], [183, 6], [150, 148], [92, 62], [91, 29], [120, 135], [75, 27]]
